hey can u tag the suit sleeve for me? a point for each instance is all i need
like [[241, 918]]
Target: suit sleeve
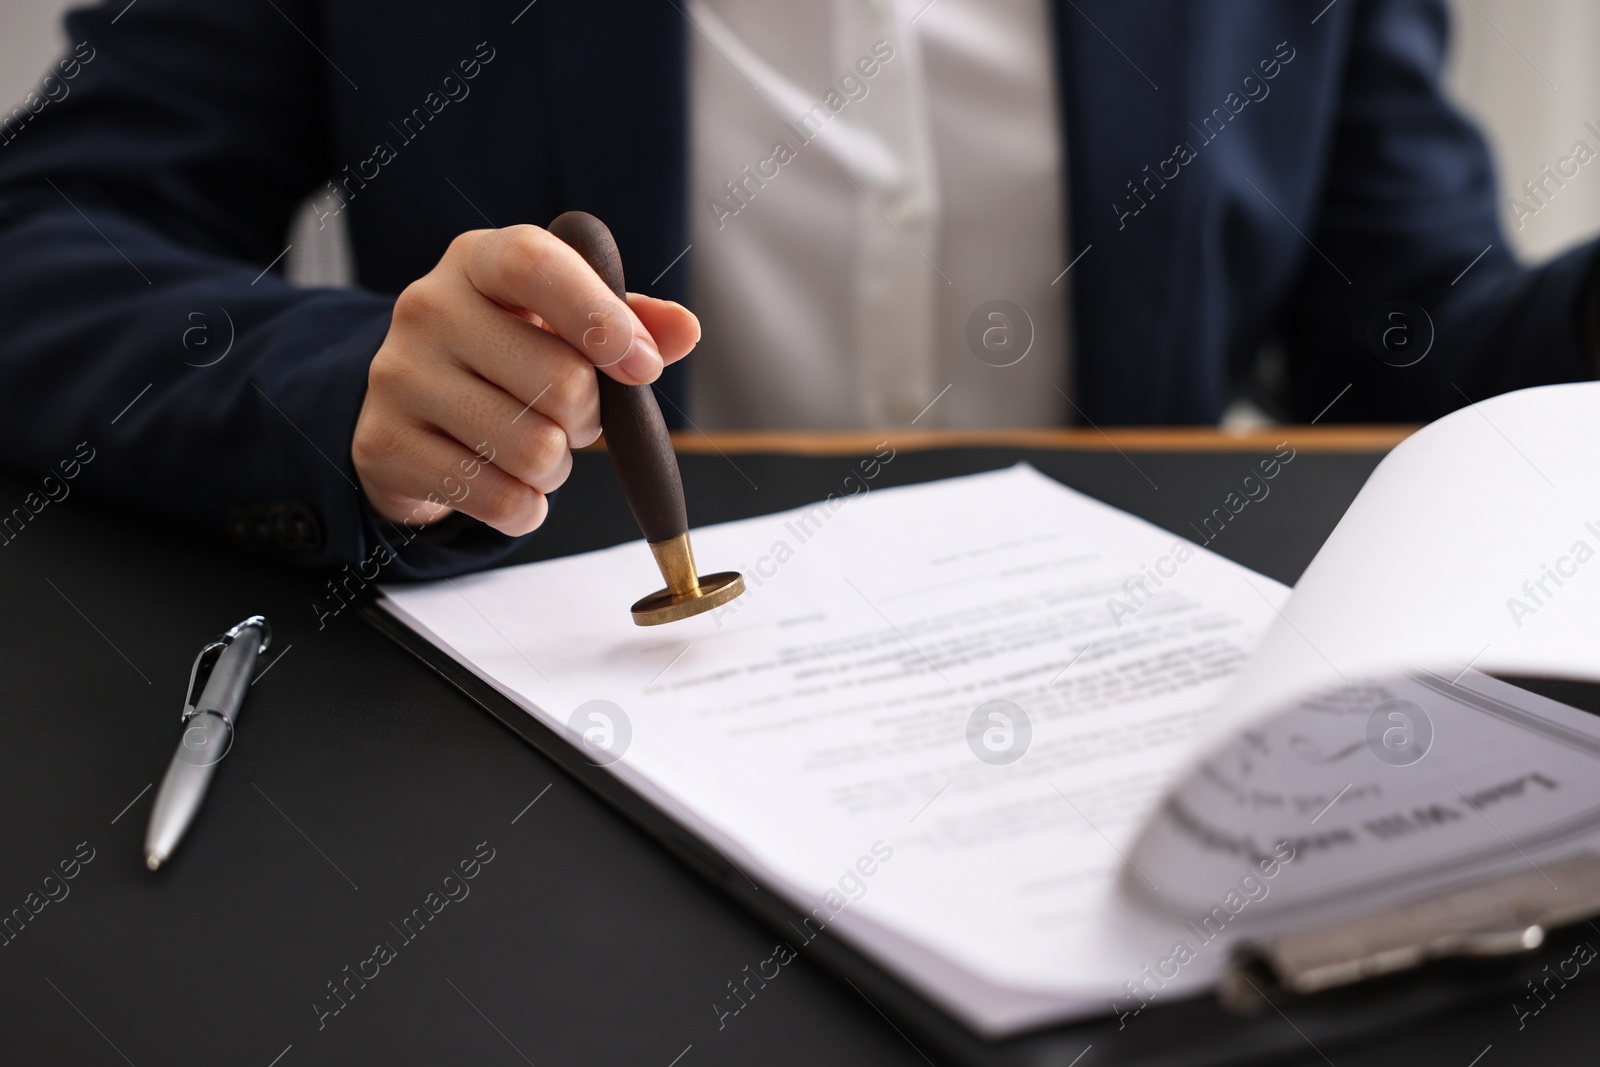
[[145, 188], [1412, 258]]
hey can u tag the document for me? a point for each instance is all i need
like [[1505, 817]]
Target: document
[[992, 731]]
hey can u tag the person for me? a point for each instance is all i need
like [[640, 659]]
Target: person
[[890, 212]]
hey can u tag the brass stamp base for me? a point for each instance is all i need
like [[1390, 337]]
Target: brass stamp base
[[686, 594], [710, 591]]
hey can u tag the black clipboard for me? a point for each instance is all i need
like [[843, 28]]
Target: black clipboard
[[1193, 1032]]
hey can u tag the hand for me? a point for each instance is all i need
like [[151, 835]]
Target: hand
[[486, 379]]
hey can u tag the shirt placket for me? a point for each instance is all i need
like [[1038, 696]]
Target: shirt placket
[[896, 227]]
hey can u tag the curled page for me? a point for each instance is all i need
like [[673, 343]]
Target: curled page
[[1363, 734]]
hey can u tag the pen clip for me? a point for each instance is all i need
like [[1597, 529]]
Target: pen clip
[[200, 673]]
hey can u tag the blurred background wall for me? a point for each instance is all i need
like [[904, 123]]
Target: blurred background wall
[[1525, 68]]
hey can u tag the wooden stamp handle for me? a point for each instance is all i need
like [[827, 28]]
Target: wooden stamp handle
[[636, 434]]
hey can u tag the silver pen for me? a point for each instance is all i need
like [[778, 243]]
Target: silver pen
[[221, 675]]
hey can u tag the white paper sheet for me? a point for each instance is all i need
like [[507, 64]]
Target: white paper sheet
[[823, 723]]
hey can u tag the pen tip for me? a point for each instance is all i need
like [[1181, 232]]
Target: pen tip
[[152, 861]]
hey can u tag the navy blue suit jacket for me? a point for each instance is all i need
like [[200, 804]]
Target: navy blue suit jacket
[[1222, 206]]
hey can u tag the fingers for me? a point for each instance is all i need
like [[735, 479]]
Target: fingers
[[490, 422], [674, 327], [417, 475], [530, 268], [536, 368], [487, 378]]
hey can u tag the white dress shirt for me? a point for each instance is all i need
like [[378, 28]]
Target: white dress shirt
[[867, 179]]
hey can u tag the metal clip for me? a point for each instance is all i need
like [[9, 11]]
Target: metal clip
[[200, 673], [1504, 916]]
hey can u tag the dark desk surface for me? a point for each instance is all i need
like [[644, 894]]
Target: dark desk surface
[[360, 780]]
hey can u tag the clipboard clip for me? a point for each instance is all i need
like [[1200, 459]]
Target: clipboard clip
[[1506, 916], [200, 672]]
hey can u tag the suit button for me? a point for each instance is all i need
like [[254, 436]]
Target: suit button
[[288, 525], [246, 527], [295, 527]]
